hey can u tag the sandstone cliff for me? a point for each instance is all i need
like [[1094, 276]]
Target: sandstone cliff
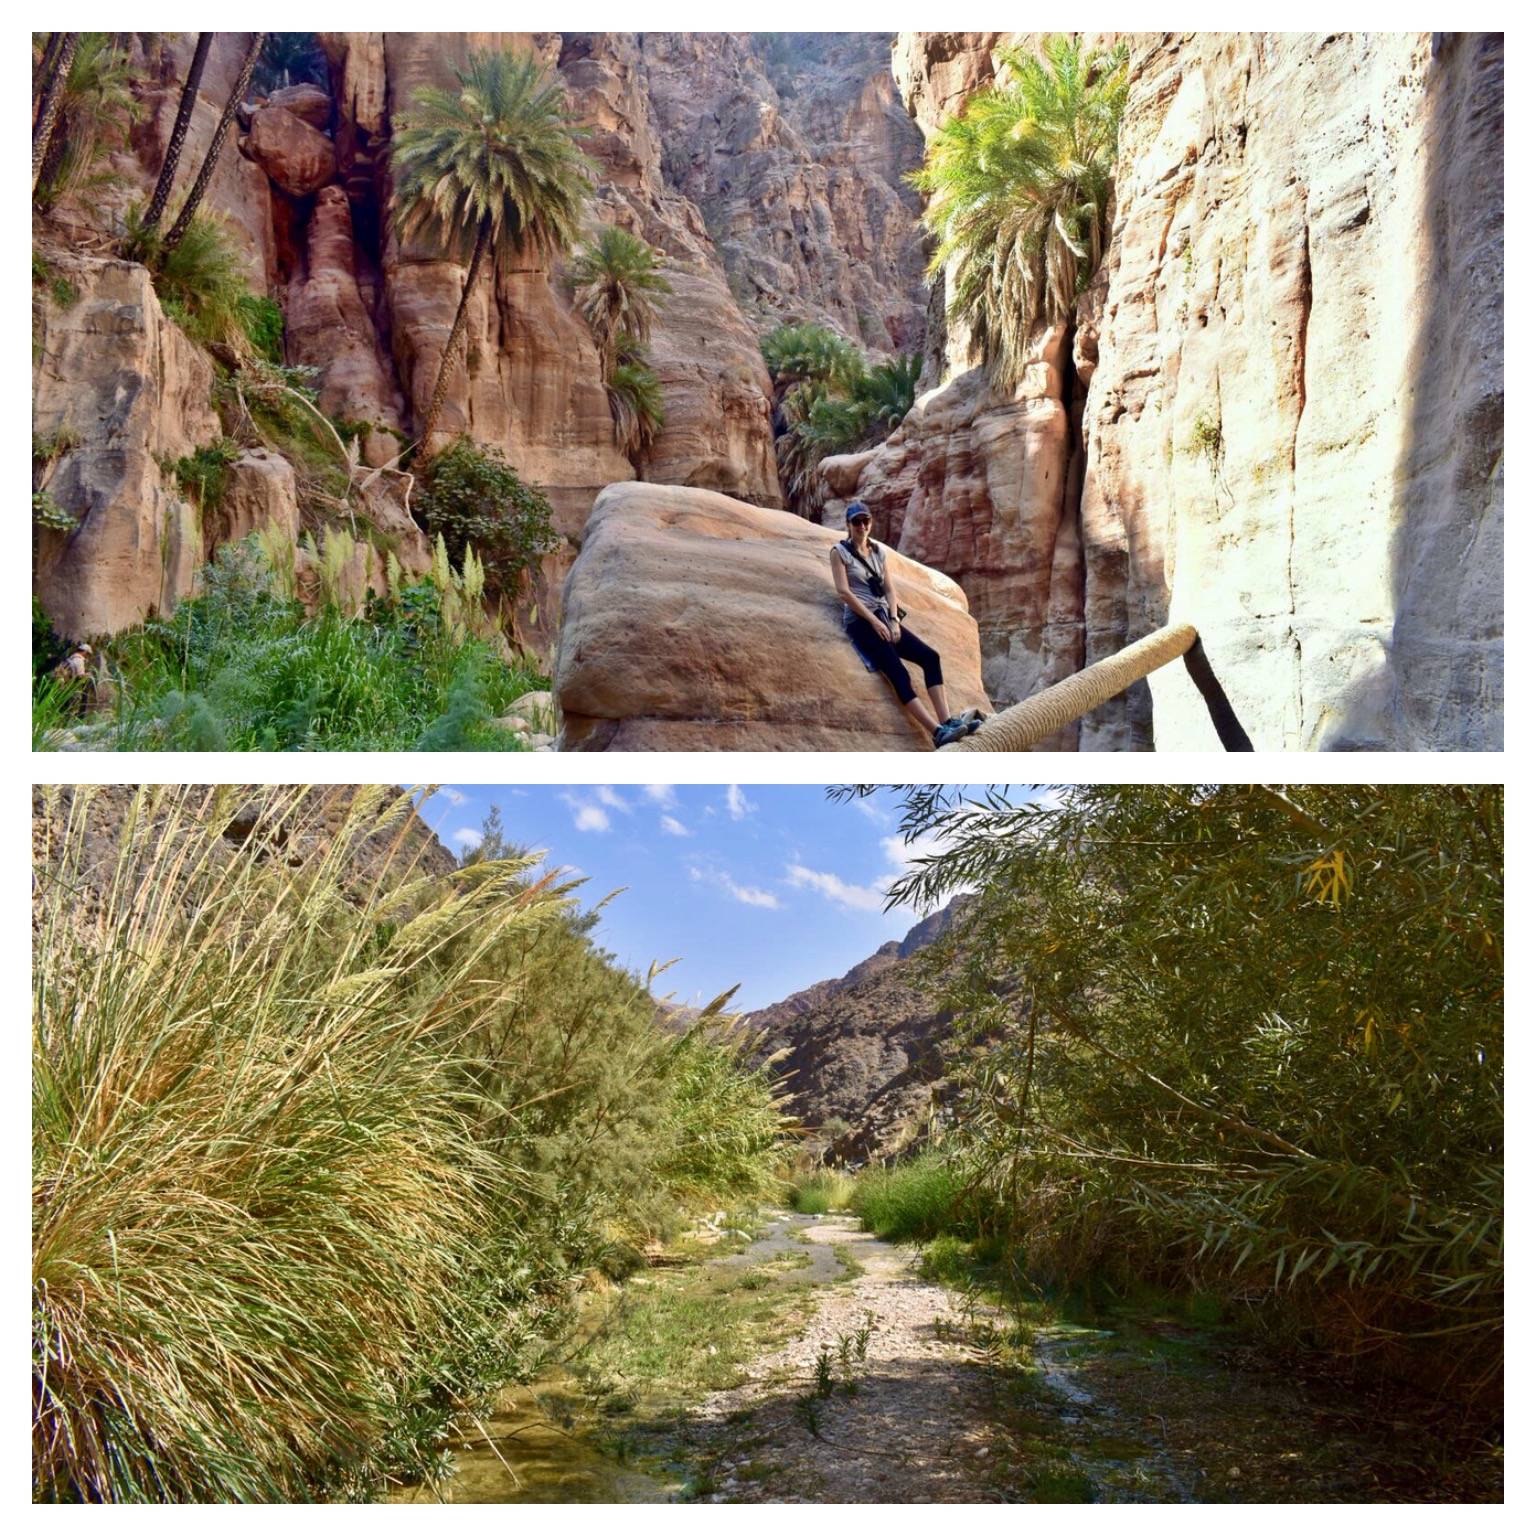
[[800, 153], [1282, 418]]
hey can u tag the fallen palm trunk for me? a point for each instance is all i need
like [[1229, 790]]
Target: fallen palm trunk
[[1020, 727]]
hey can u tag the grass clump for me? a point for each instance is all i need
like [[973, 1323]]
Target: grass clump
[[203, 475], [909, 1201], [244, 667], [821, 1190], [324, 1137]]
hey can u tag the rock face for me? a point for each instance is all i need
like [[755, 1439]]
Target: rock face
[[113, 375], [1289, 380], [695, 621], [1295, 426], [796, 151], [306, 192], [862, 1055], [330, 327]]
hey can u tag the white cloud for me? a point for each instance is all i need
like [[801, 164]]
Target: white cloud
[[737, 803], [610, 797], [674, 828], [899, 854], [853, 898], [467, 837], [873, 811], [454, 796], [588, 817], [748, 895], [662, 795]]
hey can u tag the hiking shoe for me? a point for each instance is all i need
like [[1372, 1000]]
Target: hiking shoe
[[969, 722], [950, 731]]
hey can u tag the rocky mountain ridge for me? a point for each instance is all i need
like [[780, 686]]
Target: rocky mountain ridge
[[861, 1052]]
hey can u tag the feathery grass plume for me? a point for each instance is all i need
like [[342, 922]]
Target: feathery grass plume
[[1018, 185], [253, 1179]]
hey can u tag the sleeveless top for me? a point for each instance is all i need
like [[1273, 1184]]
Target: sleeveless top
[[858, 581]]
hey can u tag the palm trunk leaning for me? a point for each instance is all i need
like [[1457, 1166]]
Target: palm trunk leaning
[[173, 150], [440, 389], [211, 159], [52, 98]]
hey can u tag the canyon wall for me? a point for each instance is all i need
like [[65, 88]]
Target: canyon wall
[[1289, 379], [797, 145]]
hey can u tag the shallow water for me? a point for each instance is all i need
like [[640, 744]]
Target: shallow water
[[520, 1455], [538, 1447]]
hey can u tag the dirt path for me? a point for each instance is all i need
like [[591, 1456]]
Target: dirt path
[[906, 1423]]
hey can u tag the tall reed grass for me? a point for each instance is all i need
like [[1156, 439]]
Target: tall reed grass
[[280, 1230]]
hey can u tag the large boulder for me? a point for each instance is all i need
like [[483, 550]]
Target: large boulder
[[299, 158], [693, 621]]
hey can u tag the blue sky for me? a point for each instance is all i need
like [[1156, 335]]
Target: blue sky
[[770, 886]]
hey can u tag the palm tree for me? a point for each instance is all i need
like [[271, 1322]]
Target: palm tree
[[216, 144], [615, 279], [1018, 186], [489, 169], [58, 57], [178, 139], [801, 355], [94, 102], [634, 396], [886, 393]]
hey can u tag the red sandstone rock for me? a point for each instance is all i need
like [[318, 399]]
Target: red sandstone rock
[[300, 159]]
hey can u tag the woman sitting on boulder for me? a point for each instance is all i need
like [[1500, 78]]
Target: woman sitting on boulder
[[872, 620]]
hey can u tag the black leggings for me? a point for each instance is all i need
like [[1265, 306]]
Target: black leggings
[[888, 658]]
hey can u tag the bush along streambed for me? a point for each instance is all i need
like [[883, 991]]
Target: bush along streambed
[[1227, 1063], [327, 1136]]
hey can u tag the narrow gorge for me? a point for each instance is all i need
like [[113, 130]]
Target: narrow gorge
[[1275, 413]]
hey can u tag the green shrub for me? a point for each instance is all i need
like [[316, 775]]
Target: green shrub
[[203, 475], [47, 513], [909, 1201], [820, 1191], [474, 498], [262, 322], [243, 668], [60, 289], [49, 648], [201, 282], [1240, 1042]]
